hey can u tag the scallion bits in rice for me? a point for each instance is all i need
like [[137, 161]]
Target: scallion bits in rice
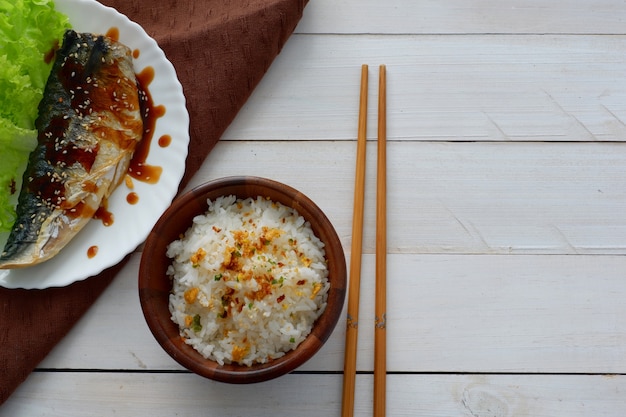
[[249, 280]]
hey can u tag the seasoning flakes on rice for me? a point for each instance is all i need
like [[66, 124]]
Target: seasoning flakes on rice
[[249, 280]]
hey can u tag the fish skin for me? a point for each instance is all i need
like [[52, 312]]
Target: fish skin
[[89, 125]]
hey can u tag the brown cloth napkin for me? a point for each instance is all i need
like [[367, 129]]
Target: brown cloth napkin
[[221, 49]]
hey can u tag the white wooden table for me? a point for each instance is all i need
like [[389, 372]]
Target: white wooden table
[[507, 219]]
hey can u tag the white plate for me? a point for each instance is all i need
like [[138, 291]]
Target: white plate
[[132, 222]]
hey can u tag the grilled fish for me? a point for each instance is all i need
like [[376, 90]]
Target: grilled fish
[[89, 125]]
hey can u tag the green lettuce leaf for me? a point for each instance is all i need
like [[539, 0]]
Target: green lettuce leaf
[[29, 31]]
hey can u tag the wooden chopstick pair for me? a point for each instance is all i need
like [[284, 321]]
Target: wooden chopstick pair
[[380, 344]]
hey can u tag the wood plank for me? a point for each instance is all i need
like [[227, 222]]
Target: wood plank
[[113, 394], [463, 17], [444, 88], [500, 198], [446, 313]]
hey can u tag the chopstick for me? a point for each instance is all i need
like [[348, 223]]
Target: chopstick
[[349, 373], [380, 320], [380, 328]]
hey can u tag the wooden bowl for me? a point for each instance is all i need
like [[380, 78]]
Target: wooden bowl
[[155, 285]]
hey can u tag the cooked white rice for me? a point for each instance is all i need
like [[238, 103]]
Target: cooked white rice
[[249, 280]]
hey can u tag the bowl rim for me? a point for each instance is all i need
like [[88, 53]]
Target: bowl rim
[[152, 289]]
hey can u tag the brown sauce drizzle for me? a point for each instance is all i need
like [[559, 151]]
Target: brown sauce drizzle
[[78, 210], [104, 214], [92, 251], [49, 56], [150, 112], [138, 168], [164, 141], [132, 198], [113, 33]]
